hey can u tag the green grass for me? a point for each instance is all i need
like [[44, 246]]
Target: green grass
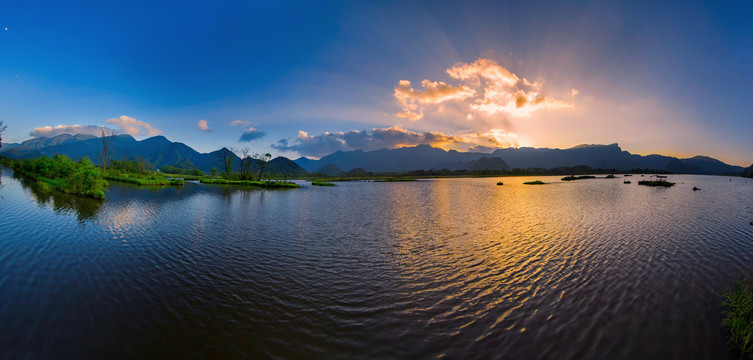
[[144, 181], [321, 183], [572, 177], [738, 316], [537, 182], [62, 174], [656, 183], [185, 177], [266, 184]]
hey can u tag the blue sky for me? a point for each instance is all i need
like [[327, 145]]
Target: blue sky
[[671, 78]]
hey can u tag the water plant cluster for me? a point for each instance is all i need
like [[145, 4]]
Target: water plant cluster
[[322, 183], [537, 182], [738, 316], [63, 174]]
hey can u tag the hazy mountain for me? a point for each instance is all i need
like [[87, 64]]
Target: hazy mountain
[[425, 157]]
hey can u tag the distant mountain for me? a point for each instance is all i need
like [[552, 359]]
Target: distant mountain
[[160, 151], [157, 150], [329, 169], [425, 157]]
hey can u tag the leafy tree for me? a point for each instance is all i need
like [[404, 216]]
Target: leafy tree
[[225, 159]]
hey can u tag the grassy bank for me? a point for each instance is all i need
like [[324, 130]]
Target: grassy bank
[[63, 174], [267, 184], [738, 316]]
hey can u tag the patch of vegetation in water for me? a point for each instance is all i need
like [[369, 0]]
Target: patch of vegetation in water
[[738, 316], [63, 174], [500, 183], [610, 176], [395, 179], [627, 182], [266, 184], [143, 180], [321, 183], [656, 183], [537, 182], [573, 177]]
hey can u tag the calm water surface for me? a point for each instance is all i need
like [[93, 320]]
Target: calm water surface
[[454, 268]]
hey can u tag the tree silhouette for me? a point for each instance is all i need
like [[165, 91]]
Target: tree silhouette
[[108, 137]]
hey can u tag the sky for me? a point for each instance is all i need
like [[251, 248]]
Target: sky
[[310, 78]]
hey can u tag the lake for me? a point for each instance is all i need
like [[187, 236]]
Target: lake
[[452, 268]]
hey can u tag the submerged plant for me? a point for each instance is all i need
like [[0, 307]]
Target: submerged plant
[[738, 316]]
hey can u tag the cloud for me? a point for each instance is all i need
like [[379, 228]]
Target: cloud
[[484, 88], [133, 127], [433, 93], [251, 134], [52, 131], [387, 138], [203, 126], [239, 122]]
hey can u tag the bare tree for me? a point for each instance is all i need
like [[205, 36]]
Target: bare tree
[[2, 129], [262, 160], [108, 137], [224, 158], [247, 163]]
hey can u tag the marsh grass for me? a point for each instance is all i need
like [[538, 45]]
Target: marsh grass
[[144, 180], [266, 184], [656, 183], [321, 183], [738, 316], [537, 182]]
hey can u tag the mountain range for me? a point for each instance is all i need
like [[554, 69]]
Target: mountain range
[[160, 151], [595, 156]]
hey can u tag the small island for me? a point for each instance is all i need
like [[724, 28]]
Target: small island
[[322, 183], [662, 183], [573, 177], [537, 182]]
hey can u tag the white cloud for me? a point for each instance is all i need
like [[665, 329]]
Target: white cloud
[[239, 122], [52, 131]]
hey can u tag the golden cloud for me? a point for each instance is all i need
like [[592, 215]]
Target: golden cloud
[[484, 87]]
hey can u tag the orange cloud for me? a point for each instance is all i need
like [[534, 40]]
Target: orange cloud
[[133, 127]]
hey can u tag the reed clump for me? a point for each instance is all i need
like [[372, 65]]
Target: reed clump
[[738, 316], [537, 182], [321, 183]]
